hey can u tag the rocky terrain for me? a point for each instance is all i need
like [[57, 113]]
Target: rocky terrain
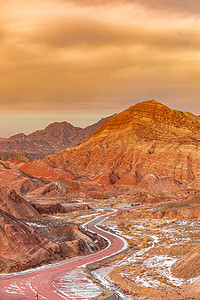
[[21, 247], [34, 240], [53, 138], [149, 138], [41, 169], [147, 155], [189, 265], [27, 239], [16, 180], [163, 260], [16, 205], [147, 151]]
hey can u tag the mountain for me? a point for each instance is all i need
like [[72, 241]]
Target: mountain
[[149, 138], [53, 138]]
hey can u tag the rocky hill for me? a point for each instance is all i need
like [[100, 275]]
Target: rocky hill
[[16, 205], [149, 138], [27, 240], [53, 138], [23, 247]]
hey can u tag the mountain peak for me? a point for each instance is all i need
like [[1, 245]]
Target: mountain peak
[[149, 105], [146, 103], [56, 125], [18, 137], [152, 120]]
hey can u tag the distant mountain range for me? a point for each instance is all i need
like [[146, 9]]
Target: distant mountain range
[[55, 137]]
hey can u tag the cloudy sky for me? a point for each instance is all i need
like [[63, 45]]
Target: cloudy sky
[[81, 60]]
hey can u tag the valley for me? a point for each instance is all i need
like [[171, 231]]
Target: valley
[[131, 188]]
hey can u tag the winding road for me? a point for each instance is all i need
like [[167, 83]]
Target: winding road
[[44, 280]]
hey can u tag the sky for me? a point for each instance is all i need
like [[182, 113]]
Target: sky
[[80, 60]]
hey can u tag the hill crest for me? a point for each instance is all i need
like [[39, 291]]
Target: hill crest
[[55, 137], [154, 116]]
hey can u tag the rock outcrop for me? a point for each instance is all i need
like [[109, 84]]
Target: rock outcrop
[[21, 245], [69, 187], [16, 180], [49, 190], [129, 179], [74, 189], [16, 205], [16, 162], [51, 209], [41, 169], [106, 178], [160, 186]]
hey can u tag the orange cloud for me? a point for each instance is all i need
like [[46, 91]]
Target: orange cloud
[[71, 56], [170, 5]]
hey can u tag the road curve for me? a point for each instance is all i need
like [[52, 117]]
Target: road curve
[[23, 285]]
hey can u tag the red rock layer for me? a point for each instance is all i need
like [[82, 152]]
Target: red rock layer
[[148, 137], [106, 178], [160, 186], [130, 179], [189, 265], [53, 138], [17, 181], [47, 190], [74, 189], [42, 169], [16, 205], [19, 242], [49, 209]]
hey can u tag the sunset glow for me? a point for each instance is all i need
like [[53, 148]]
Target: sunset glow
[[97, 57]]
